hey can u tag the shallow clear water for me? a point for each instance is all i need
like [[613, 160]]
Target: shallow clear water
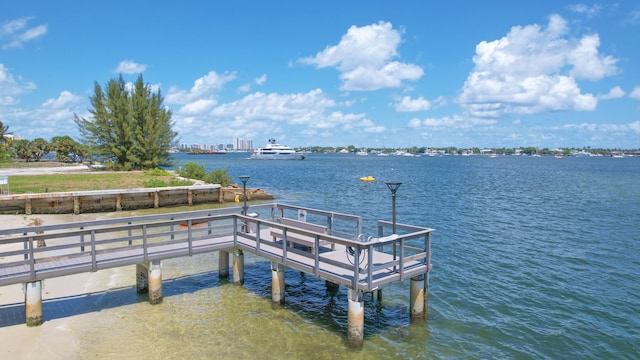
[[533, 258]]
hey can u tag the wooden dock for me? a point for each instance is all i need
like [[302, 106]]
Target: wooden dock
[[147, 240]]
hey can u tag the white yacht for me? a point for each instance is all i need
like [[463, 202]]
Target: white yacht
[[275, 151]]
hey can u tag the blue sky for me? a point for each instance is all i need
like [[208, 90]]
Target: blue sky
[[334, 73]]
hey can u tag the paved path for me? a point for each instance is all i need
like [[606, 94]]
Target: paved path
[[44, 170]]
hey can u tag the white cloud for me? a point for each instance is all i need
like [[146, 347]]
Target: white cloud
[[589, 11], [455, 121], [14, 33], [291, 108], [587, 63], [130, 67], [11, 87], [197, 107], [261, 80], [534, 69], [364, 58], [407, 104], [635, 94], [614, 93], [257, 81], [207, 85]]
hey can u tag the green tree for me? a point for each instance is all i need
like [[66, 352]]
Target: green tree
[[3, 131], [67, 149], [39, 147], [132, 129]]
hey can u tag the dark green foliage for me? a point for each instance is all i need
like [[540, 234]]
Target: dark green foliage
[[131, 129], [218, 176], [193, 170]]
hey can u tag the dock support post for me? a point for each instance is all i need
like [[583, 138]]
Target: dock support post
[[76, 205], [27, 207], [223, 264], [238, 267], [417, 298], [33, 303], [355, 319], [119, 202], [155, 283], [142, 279], [156, 200], [190, 197], [277, 283]]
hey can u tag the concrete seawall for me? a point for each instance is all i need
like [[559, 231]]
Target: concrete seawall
[[123, 199]]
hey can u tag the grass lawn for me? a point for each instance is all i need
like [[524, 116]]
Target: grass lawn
[[22, 184]]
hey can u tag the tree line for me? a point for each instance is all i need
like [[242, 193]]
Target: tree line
[[128, 128]]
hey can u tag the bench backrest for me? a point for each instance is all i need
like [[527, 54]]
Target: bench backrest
[[304, 225]]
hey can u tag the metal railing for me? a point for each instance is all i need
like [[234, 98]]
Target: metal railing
[[363, 264]]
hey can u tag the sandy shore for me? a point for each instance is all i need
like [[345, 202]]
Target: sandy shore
[[57, 337], [63, 318]]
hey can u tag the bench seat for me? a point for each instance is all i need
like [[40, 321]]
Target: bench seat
[[295, 237]]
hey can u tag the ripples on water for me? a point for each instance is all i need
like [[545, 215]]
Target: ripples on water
[[533, 258]]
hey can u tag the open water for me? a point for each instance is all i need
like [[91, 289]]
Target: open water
[[534, 258]]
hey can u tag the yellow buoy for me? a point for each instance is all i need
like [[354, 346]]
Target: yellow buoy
[[237, 198], [368, 179]]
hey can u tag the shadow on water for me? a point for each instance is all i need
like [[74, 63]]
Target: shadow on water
[[67, 306], [306, 296]]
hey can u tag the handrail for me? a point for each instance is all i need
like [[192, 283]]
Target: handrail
[[142, 234]]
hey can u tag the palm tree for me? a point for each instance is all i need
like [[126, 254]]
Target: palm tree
[[3, 130]]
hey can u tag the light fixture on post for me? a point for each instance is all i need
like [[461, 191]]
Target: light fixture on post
[[393, 186], [244, 179]]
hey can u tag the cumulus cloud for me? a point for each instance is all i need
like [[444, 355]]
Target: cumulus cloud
[[364, 56], [614, 93], [14, 33], [130, 67], [534, 69], [635, 94], [407, 104], [11, 87], [206, 86]]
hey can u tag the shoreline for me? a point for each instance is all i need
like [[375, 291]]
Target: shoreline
[[57, 337]]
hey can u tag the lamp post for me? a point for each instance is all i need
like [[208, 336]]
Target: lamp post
[[244, 179], [393, 186]]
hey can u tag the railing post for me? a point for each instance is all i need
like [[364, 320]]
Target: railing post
[[94, 263], [82, 240], [32, 260]]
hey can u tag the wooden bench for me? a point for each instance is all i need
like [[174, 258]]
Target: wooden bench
[[294, 236]]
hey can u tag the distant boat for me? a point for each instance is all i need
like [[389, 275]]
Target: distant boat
[[362, 152], [275, 151]]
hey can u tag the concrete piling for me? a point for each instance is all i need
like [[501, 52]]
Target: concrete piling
[[277, 283], [238, 267], [223, 264], [417, 298], [33, 303], [142, 279], [355, 319], [155, 283]]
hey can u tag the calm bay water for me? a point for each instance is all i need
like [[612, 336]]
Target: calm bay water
[[534, 258]]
